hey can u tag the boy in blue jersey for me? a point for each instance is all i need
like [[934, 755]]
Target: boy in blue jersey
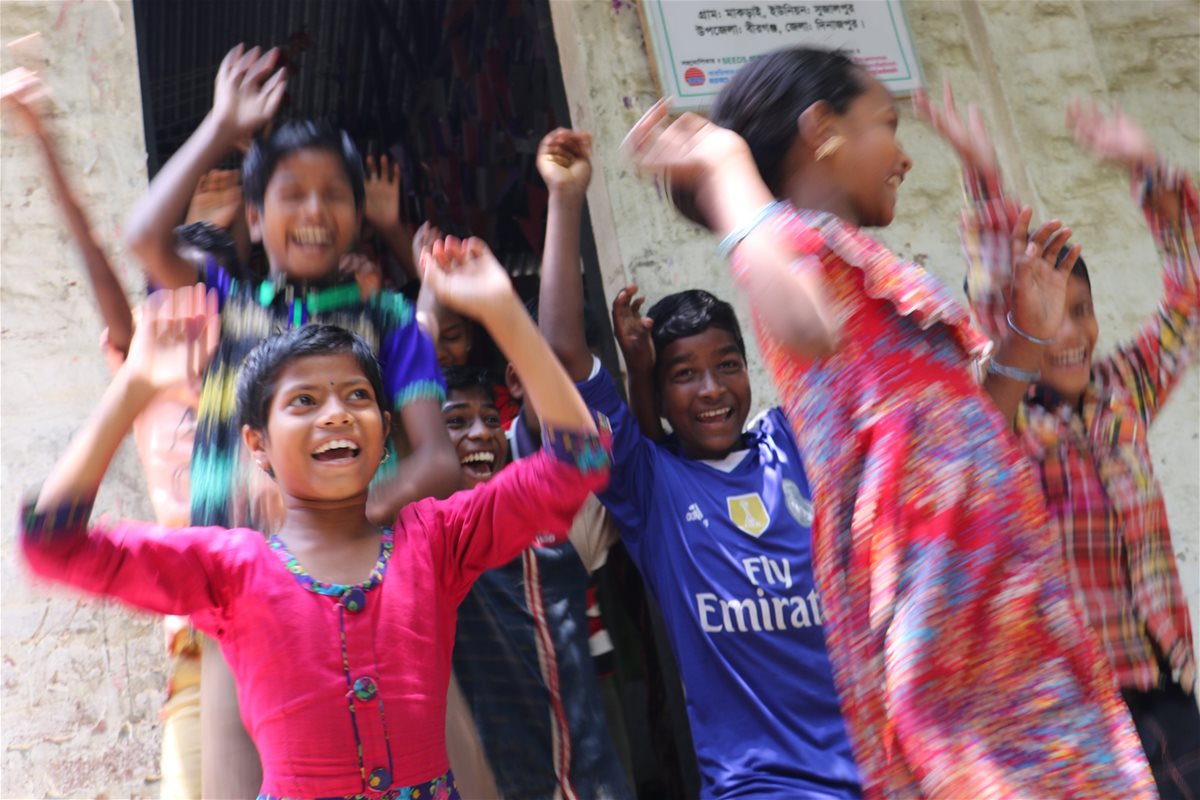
[[718, 521]]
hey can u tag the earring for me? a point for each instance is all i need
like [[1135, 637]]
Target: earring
[[386, 456], [830, 146]]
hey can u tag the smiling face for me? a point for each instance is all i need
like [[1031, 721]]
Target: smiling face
[[309, 218], [1067, 360], [453, 345], [325, 432], [473, 422], [704, 391], [871, 164]]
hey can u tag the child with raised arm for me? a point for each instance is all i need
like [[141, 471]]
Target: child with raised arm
[[1085, 423], [962, 661], [716, 517], [339, 632], [163, 434], [303, 185]]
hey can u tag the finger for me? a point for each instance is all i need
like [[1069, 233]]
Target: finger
[[273, 92], [1072, 257], [370, 168], [1057, 242], [1044, 232], [230, 60], [396, 174], [262, 67], [243, 65], [1020, 234], [637, 304]]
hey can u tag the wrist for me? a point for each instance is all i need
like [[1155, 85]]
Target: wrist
[[220, 133], [568, 195], [732, 193], [498, 316], [137, 391]]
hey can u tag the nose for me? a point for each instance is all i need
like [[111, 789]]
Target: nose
[[710, 386], [313, 203], [906, 161], [478, 430], [335, 413]]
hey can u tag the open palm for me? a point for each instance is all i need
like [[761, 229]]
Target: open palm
[[1039, 282], [175, 337], [465, 276]]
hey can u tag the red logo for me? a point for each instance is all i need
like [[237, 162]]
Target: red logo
[[694, 76]]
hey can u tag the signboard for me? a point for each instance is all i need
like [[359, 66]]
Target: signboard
[[697, 46]]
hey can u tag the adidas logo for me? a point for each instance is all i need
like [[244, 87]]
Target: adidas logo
[[694, 514]]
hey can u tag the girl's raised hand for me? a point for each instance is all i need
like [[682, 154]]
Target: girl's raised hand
[[633, 330], [465, 277], [244, 97], [1110, 137], [563, 160], [174, 339], [381, 205], [1039, 280], [688, 152], [970, 140]]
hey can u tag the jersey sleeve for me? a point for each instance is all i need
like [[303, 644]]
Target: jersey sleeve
[[166, 571], [532, 501], [406, 355], [631, 485]]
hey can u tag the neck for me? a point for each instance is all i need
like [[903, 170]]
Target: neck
[[806, 190], [310, 522]]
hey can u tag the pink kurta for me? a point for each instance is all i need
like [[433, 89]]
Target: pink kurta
[[341, 687]]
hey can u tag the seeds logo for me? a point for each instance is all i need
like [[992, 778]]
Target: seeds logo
[[694, 76]]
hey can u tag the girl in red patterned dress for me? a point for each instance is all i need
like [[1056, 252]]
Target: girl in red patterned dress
[[964, 667]]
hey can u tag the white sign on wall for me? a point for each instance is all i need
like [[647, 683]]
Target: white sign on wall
[[697, 46]]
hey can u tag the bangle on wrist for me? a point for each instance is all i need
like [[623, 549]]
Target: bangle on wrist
[[1012, 326], [736, 236], [996, 368]]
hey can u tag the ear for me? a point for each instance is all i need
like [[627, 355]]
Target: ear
[[513, 381], [256, 443], [817, 124], [254, 222], [387, 424]]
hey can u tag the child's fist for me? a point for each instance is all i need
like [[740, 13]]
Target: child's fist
[[564, 160]]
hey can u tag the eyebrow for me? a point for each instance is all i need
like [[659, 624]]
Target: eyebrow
[[455, 405], [308, 387]]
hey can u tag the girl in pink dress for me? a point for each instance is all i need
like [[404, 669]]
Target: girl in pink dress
[[963, 664]]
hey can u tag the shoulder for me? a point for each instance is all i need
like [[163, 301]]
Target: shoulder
[[392, 309]]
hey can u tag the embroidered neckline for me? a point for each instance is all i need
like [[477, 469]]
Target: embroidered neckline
[[293, 565]]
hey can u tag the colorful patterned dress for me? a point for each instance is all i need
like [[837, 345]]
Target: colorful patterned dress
[[964, 667]]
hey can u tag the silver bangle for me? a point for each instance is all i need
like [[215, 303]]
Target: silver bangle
[[736, 236], [1023, 375], [1013, 327]]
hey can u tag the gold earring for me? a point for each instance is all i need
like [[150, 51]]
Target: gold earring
[[830, 146]]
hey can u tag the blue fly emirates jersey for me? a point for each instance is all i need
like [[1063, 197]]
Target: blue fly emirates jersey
[[725, 548]]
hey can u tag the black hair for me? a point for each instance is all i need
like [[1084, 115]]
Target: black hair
[[691, 312], [265, 154], [763, 102], [469, 377], [1079, 270], [259, 372], [210, 239]]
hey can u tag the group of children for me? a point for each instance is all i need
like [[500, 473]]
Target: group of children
[[926, 574]]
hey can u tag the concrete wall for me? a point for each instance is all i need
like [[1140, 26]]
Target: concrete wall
[[1020, 61], [82, 681]]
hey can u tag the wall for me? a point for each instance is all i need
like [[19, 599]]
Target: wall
[[1020, 61], [82, 681]]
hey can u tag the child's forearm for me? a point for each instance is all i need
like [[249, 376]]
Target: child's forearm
[[792, 303], [560, 299], [643, 403], [150, 229], [1007, 391], [114, 307], [77, 474], [546, 382]]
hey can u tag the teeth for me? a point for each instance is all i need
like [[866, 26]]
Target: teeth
[[312, 235], [480, 458], [715, 413], [894, 181], [335, 444], [1070, 358]]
